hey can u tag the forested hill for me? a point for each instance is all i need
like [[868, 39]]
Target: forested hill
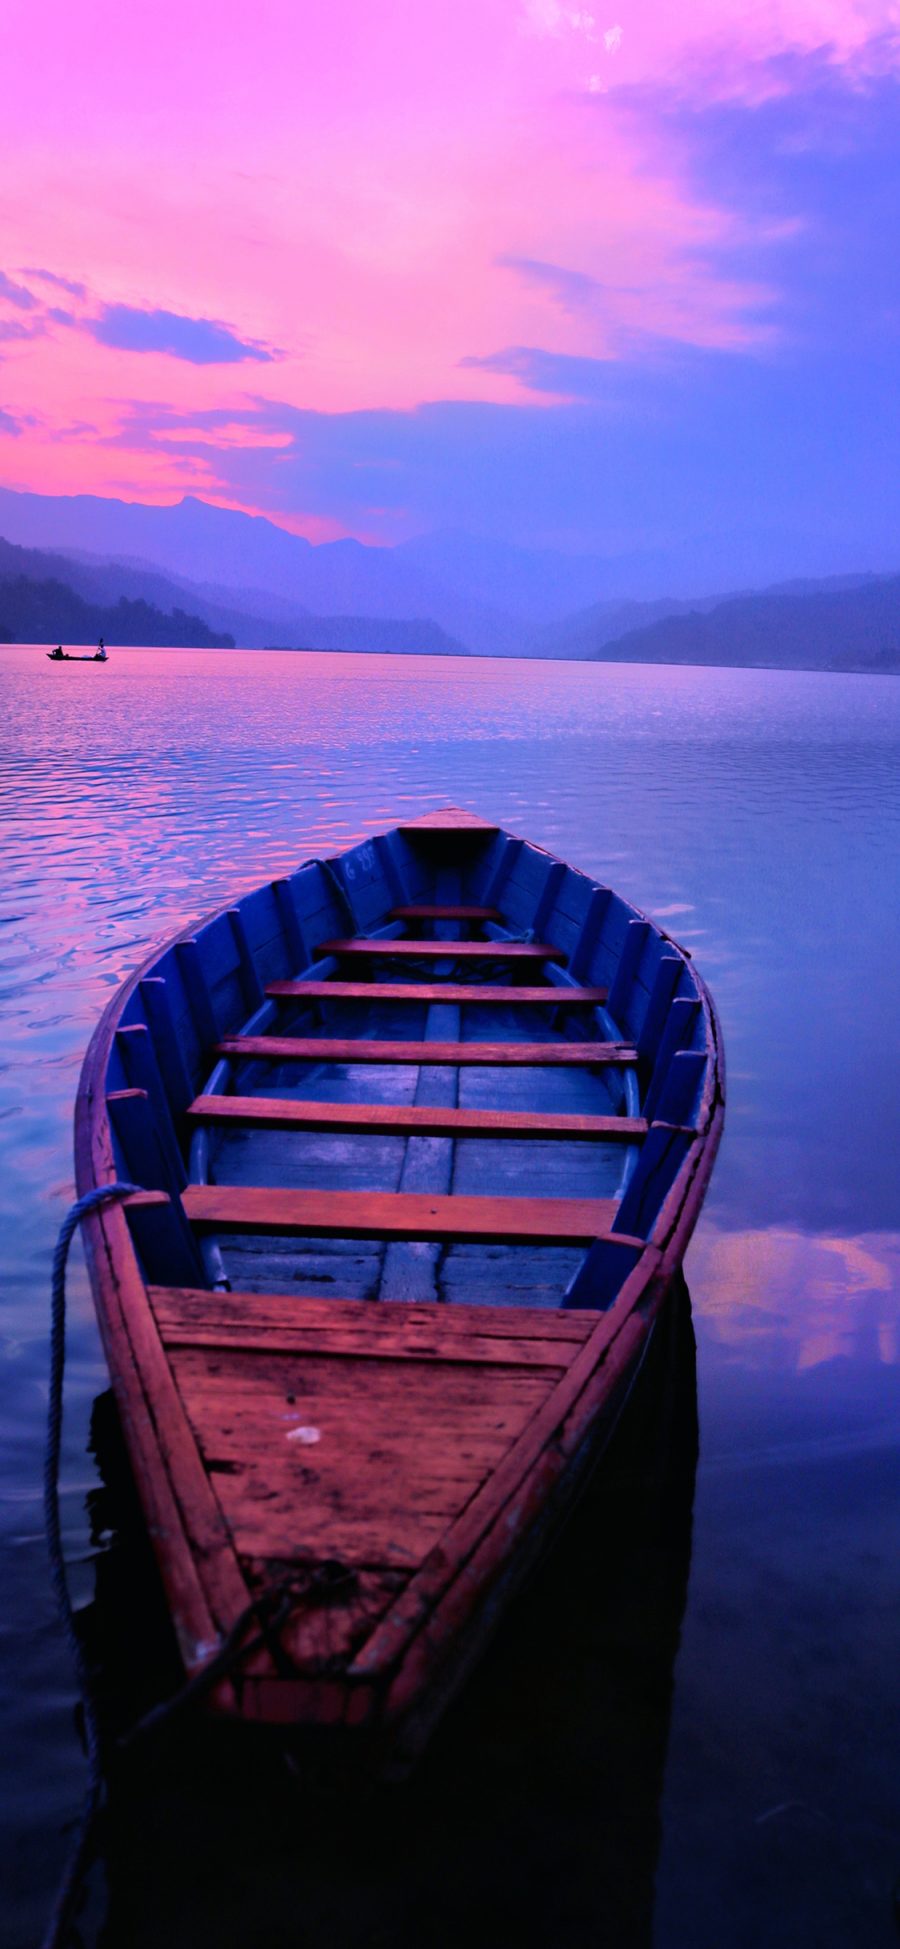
[[48, 611], [852, 624]]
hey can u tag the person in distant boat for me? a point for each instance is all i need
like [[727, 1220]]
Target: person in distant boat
[[100, 651], [58, 651]]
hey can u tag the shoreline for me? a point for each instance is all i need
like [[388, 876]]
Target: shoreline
[[473, 656]]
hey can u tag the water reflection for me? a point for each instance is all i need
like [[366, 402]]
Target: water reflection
[[783, 1300]]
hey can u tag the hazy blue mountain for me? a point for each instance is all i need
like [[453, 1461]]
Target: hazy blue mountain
[[850, 623], [538, 586], [488, 594], [582, 635], [246, 576], [229, 551], [133, 596]]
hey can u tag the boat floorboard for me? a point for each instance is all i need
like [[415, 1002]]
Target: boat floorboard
[[360, 1459], [354, 1432], [344, 1116]]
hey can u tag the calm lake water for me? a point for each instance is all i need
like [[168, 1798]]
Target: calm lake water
[[756, 813]]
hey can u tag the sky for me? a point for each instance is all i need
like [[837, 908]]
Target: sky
[[585, 279]]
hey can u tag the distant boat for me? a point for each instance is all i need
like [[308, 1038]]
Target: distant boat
[[100, 655], [421, 1133]]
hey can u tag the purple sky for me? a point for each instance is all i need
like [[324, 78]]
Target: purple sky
[[595, 280]]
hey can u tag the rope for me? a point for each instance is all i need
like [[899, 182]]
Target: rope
[[269, 1609], [79, 1855], [334, 879]]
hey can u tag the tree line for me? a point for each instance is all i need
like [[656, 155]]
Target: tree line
[[51, 612]]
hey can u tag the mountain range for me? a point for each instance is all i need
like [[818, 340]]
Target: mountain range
[[846, 623], [47, 595], [208, 569]]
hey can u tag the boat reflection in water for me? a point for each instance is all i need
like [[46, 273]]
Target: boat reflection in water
[[533, 1817]]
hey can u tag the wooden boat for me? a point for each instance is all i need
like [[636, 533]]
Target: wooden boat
[[420, 1134], [69, 656]]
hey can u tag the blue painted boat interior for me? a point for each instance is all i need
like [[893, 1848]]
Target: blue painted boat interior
[[213, 984]]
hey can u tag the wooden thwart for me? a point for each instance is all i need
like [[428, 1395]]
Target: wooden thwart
[[398, 1215], [435, 991], [450, 818], [500, 1055], [445, 913], [408, 1120], [444, 950]]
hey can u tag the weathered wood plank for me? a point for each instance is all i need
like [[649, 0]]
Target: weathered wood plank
[[500, 1055], [445, 913], [395, 1214], [443, 950], [450, 818], [307, 1455], [246, 1338], [436, 991], [440, 1397], [353, 1321], [408, 1120], [386, 1331]]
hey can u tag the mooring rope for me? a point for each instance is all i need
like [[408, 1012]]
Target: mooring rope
[[270, 1608], [76, 1865], [337, 885]]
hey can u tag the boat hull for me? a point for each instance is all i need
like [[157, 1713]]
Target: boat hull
[[379, 1470]]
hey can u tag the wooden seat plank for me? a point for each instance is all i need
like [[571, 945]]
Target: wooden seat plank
[[500, 1055], [436, 991], [396, 1214], [408, 1120], [445, 913], [444, 950], [451, 818]]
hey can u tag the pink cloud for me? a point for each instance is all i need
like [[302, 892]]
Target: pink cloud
[[355, 186]]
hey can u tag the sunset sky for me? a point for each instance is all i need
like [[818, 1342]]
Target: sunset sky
[[563, 276]]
